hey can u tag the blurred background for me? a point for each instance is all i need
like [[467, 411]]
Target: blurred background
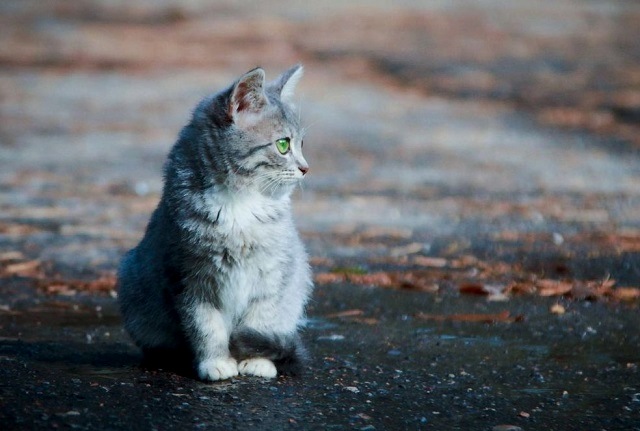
[[499, 137]]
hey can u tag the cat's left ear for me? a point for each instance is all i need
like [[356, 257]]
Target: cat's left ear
[[286, 83], [247, 97]]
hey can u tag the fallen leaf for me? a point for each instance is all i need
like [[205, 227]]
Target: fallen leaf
[[321, 261], [25, 269], [346, 313], [521, 288], [382, 279], [430, 262], [592, 289], [503, 316], [404, 250], [464, 261], [553, 287], [11, 255], [365, 320], [16, 229], [626, 293], [376, 232], [105, 284], [60, 289], [413, 281], [473, 289], [329, 278]]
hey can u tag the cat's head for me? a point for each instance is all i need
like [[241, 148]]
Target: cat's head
[[258, 133]]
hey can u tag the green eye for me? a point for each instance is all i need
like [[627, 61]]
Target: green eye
[[283, 145]]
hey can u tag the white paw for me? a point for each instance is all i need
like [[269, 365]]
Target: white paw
[[217, 369], [259, 367]]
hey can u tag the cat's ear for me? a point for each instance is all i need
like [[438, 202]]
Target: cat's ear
[[286, 83], [247, 95]]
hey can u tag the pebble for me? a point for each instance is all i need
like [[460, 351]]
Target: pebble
[[332, 337]]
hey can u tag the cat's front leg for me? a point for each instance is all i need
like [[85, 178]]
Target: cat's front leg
[[209, 337]]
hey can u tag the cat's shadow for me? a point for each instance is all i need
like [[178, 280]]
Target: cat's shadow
[[91, 359]]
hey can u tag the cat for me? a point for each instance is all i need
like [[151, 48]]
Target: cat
[[221, 277]]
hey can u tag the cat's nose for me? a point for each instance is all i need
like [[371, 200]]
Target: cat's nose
[[303, 169]]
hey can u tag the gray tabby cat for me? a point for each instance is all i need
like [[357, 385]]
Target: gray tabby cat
[[221, 277]]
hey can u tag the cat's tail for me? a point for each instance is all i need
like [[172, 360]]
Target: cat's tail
[[287, 352]]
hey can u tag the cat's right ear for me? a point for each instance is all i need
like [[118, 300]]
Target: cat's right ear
[[247, 97]]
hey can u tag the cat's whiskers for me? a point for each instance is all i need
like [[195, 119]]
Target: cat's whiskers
[[306, 128], [272, 185], [263, 180], [300, 184], [257, 178]]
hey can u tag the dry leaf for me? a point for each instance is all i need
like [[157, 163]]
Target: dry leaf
[[473, 289], [626, 293], [329, 278], [521, 287], [430, 262], [105, 284], [553, 287], [16, 229], [414, 281], [503, 316], [11, 255], [25, 269], [412, 248], [346, 313], [365, 320], [375, 279], [60, 289], [321, 261], [377, 232], [465, 261]]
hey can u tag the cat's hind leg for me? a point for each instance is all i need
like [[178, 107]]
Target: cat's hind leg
[[264, 355]]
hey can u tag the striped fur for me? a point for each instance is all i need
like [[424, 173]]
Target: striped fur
[[221, 259]]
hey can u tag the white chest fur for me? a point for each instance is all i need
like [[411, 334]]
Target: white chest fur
[[255, 231]]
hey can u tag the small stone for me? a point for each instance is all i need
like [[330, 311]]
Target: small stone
[[352, 389], [70, 413], [558, 239], [332, 337], [524, 414]]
